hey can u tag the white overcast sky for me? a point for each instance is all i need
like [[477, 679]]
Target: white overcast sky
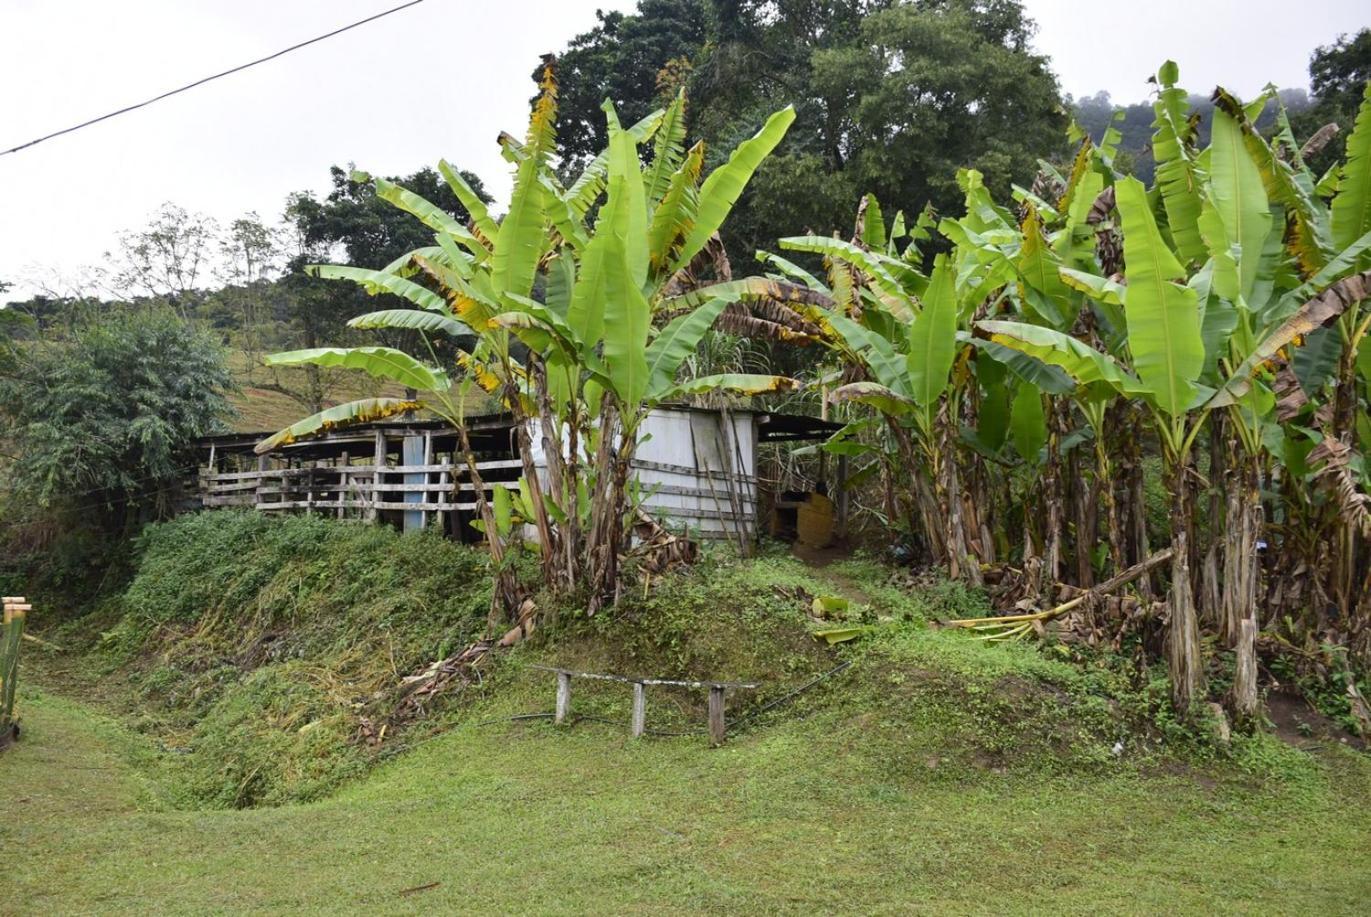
[[437, 80]]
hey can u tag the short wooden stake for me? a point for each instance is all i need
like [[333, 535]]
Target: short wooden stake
[[563, 696], [639, 709], [717, 727]]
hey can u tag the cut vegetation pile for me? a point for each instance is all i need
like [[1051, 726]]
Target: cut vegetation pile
[[250, 643]]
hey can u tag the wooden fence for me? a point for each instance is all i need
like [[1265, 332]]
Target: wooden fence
[[718, 726], [426, 491]]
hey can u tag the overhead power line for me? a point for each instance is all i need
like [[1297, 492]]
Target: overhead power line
[[208, 79]]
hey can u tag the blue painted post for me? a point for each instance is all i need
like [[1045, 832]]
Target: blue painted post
[[412, 453]]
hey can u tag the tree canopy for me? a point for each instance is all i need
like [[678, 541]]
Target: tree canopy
[[890, 97], [104, 418]]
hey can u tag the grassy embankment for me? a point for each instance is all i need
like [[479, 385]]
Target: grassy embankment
[[935, 773]]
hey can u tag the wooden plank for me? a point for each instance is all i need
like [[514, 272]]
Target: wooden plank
[[261, 467], [428, 460], [648, 681], [690, 512], [639, 709], [343, 484], [361, 504], [378, 461], [688, 470], [677, 490], [718, 728]]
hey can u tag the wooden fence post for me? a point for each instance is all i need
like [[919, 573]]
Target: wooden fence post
[[639, 709], [563, 696], [378, 462], [717, 727], [260, 497]]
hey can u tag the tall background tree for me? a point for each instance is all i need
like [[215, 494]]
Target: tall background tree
[[1337, 74], [102, 420], [890, 97]]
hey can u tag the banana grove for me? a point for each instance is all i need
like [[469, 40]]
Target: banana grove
[[1016, 374], [1024, 383]]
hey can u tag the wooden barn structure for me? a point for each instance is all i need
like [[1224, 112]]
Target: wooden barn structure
[[698, 468]]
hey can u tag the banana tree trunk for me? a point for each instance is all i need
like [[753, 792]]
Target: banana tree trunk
[[1241, 567], [1346, 538], [1104, 478], [1053, 496], [961, 563], [922, 496], [562, 475], [507, 595], [1136, 510], [1085, 499], [1183, 652], [547, 548], [606, 538]]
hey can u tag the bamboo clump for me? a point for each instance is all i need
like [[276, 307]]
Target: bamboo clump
[[11, 637]]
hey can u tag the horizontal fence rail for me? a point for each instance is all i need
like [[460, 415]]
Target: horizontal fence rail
[[701, 502]]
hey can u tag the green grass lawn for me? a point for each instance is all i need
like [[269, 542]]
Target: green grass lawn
[[820, 810], [936, 774]]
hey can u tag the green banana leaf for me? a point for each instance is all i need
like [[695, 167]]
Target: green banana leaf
[[1239, 198], [1100, 289], [470, 200], [626, 177], [867, 262], [1039, 269], [668, 148], [886, 365], [1163, 316], [381, 362], [1046, 378], [1176, 172], [1078, 359], [518, 243], [412, 319], [873, 223], [792, 270], [677, 341], [675, 210], [627, 315], [933, 338], [1027, 423], [1351, 210], [430, 215], [378, 282], [722, 188]]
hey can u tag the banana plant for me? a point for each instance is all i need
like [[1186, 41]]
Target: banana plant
[[1199, 338], [555, 309]]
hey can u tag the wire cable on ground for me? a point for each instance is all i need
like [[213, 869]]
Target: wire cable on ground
[[211, 78]]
